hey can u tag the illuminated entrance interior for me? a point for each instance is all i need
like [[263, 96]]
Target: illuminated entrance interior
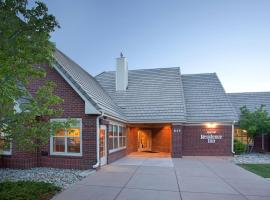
[[145, 140], [150, 138]]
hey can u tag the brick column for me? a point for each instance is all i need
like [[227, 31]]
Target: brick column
[[177, 139]]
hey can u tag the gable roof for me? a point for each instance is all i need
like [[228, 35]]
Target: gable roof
[[252, 100], [153, 95], [206, 100], [87, 85]]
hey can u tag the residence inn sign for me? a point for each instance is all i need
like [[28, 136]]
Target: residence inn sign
[[211, 136]]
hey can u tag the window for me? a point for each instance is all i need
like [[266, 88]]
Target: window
[[117, 137], [67, 142], [5, 148], [242, 136]]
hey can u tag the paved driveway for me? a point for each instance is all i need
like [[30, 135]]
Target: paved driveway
[[190, 178]]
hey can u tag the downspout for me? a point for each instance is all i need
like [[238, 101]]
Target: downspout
[[233, 137], [97, 139]]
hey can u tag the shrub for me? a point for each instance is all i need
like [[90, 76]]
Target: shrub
[[30, 190], [239, 147]]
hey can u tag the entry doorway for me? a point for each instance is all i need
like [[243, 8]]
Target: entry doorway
[[103, 145], [145, 140]]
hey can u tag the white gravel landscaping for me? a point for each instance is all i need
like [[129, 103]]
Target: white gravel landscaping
[[60, 177], [252, 158]]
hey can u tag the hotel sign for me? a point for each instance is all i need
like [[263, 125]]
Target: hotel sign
[[211, 136]]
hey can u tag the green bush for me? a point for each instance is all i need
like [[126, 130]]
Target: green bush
[[239, 147], [30, 190]]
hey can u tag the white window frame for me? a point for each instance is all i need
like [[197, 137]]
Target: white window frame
[[118, 137], [66, 153]]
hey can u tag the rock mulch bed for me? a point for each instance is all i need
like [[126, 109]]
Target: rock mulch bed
[[60, 177], [252, 158]]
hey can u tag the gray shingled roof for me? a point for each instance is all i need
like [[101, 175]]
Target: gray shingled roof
[[252, 100], [206, 100], [153, 95], [87, 85]]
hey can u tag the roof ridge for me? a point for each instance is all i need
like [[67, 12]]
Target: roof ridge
[[183, 93], [227, 98], [110, 71], [100, 74], [199, 74], [248, 92]]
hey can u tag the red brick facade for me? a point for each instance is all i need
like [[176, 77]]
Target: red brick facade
[[258, 143], [178, 139], [193, 145], [116, 155], [73, 107], [132, 140], [161, 139]]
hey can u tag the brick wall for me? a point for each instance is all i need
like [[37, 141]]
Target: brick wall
[[192, 145], [116, 155], [258, 143], [177, 140], [132, 140], [161, 139], [18, 159], [73, 107]]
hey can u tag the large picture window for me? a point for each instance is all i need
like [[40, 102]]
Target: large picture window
[[117, 137], [67, 142]]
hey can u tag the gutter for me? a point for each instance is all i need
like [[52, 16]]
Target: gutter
[[97, 141], [233, 137]]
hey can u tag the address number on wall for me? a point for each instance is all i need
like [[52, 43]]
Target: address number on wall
[[177, 130]]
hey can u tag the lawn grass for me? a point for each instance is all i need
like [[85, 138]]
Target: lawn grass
[[259, 169], [30, 190]]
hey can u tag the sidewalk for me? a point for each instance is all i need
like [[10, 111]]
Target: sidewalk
[[191, 178]]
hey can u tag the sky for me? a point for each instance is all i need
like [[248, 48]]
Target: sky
[[228, 37]]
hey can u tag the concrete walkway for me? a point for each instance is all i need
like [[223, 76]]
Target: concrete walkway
[[190, 178]]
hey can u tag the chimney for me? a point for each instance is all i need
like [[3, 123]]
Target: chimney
[[121, 79]]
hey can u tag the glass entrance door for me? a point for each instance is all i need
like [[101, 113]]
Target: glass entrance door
[[103, 145]]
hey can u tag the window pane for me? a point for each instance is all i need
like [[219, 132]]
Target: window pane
[[110, 131], [73, 132], [120, 131], [110, 143], [60, 132], [59, 144], [77, 124], [115, 143], [115, 131], [73, 145], [124, 131], [124, 141], [120, 141]]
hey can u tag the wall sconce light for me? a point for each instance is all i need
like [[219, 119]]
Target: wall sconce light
[[211, 125]]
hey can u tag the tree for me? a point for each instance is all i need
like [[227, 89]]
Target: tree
[[255, 123], [24, 47]]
